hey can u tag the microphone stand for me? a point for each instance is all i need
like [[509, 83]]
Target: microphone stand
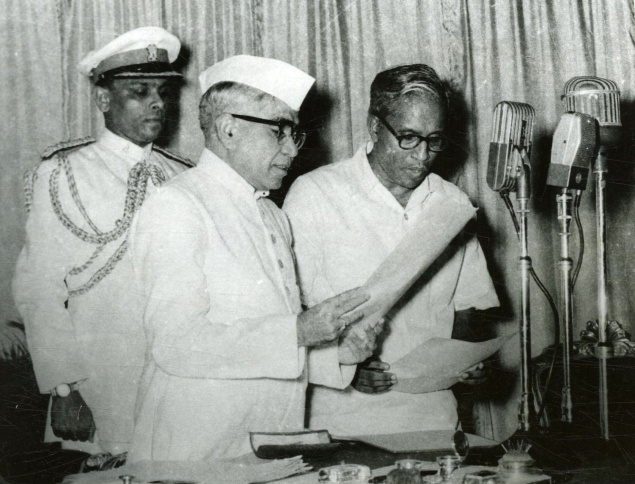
[[526, 417], [564, 216], [603, 349], [548, 449]]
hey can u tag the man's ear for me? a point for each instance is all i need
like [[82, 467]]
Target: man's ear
[[226, 127], [372, 124], [101, 96]]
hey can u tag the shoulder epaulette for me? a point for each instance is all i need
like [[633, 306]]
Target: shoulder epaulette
[[66, 145], [173, 156]]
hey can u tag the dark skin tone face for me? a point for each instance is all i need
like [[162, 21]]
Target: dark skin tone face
[[402, 171], [135, 108]]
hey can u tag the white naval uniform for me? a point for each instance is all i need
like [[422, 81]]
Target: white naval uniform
[[213, 258], [98, 338], [345, 223]]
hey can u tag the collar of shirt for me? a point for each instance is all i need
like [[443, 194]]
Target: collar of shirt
[[369, 182], [226, 175], [125, 149]]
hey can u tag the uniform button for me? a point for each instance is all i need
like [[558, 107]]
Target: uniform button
[[405, 215], [288, 290], [280, 264], [273, 238]]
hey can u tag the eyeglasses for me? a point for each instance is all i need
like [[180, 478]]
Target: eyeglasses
[[286, 129], [436, 142]]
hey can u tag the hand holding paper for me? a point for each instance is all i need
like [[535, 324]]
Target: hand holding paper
[[373, 377], [438, 363], [475, 375], [325, 321], [355, 348]]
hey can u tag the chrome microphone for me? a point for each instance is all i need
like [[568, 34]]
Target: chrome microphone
[[575, 145], [512, 132], [599, 98], [508, 170]]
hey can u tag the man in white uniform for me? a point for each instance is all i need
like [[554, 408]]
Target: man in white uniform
[[346, 219], [72, 278], [213, 258]]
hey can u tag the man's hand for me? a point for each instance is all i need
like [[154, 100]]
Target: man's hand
[[357, 344], [371, 377], [71, 418], [325, 321], [475, 375]]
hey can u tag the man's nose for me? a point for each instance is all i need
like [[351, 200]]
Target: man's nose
[[421, 152], [157, 101], [289, 147]]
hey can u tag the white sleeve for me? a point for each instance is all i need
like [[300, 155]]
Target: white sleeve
[[169, 243], [475, 288], [40, 292]]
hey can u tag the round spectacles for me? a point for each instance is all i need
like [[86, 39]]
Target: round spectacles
[[436, 142], [286, 129]]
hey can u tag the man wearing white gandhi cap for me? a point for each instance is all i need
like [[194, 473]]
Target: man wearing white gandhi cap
[[73, 275], [213, 259]]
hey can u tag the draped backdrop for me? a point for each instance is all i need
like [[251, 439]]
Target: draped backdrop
[[488, 51]]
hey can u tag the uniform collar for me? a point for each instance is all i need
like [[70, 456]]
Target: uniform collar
[[124, 148], [227, 176], [369, 181]]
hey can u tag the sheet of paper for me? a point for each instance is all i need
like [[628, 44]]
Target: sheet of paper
[[437, 363], [442, 220]]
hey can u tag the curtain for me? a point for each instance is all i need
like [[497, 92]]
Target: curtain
[[487, 51], [32, 107]]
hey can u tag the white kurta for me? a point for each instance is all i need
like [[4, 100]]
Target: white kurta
[[214, 262], [345, 223], [98, 338]]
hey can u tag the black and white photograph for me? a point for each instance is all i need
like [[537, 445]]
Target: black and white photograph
[[317, 241]]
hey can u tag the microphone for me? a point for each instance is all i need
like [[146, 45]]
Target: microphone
[[599, 98], [512, 132], [508, 169], [574, 148]]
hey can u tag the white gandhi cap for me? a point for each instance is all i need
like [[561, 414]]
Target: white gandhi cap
[[142, 52], [275, 77]]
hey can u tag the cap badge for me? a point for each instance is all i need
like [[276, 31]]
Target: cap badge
[[152, 53]]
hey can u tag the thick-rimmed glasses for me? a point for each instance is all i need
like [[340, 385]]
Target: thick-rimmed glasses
[[436, 142], [286, 129]]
